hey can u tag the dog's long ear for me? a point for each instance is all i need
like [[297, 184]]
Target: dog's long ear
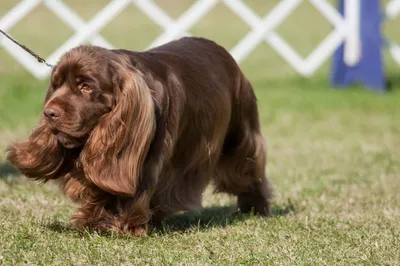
[[40, 157], [115, 152]]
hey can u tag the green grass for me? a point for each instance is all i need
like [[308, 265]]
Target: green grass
[[333, 160]]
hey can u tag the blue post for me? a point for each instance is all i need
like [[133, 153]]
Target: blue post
[[370, 70]]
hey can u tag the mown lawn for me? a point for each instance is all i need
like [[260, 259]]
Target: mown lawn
[[333, 160]]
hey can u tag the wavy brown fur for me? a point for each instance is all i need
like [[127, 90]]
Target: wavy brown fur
[[137, 136], [32, 156]]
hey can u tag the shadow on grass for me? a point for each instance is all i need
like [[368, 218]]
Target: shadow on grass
[[392, 81], [7, 169], [212, 217], [61, 227]]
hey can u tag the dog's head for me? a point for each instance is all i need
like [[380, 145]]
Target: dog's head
[[82, 90]]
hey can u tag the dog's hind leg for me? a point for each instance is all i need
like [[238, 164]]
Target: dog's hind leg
[[241, 167], [242, 174]]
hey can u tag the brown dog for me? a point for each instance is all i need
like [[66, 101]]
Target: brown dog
[[137, 136]]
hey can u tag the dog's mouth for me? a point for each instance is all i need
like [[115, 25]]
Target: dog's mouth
[[69, 142], [69, 139]]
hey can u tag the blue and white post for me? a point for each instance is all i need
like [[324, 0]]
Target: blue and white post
[[359, 59]]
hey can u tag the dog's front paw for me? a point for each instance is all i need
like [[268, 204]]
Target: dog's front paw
[[134, 230]]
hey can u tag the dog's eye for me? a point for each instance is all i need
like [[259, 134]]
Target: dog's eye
[[84, 87]]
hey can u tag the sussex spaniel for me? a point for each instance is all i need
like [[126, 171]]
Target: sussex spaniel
[[136, 136]]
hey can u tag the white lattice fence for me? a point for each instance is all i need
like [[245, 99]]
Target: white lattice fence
[[262, 29], [392, 11]]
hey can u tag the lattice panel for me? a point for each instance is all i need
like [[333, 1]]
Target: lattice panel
[[262, 29], [392, 11]]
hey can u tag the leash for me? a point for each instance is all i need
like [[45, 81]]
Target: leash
[[40, 59]]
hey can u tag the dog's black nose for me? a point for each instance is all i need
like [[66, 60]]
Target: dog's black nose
[[52, 113]]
